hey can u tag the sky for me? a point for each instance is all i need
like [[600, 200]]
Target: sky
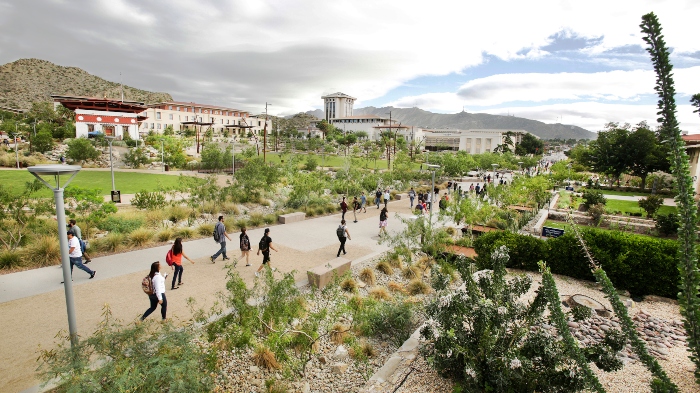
[[561, 61]]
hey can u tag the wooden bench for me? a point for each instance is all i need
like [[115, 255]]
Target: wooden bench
[[292, 217], [321, 275]]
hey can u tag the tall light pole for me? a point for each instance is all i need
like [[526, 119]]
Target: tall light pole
[[233, 159], [433, 168], [16, 151], [111, 164], [265, 133], [162, 156], [56, 171]]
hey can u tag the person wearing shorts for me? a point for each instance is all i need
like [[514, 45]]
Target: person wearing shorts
[[383, 216], [267, 240]]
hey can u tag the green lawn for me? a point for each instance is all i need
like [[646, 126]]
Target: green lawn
[[332, 161], [627, 193], [126, 182], [613, 205], [556, 224]]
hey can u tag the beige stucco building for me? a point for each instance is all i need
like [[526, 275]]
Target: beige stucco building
[[474, 141], [337, 105]]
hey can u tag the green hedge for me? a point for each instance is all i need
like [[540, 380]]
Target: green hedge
[[640, 264]]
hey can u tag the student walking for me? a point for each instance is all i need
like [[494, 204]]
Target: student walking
[[363, 202], [411, 196], [79, 234], [355, 208], [76, 256], [265, 246], [177, 263], [383, 217], [343, 208], [245, 246], [387, 196], [158, 295], [343, 235], [220, 237], [378, 198]]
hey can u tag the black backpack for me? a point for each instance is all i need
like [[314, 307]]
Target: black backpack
[[340, 231], [262, 246], [217, 238]]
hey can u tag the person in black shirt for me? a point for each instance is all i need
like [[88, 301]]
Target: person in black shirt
[[265, 246]]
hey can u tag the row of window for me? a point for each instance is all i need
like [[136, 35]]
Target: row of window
[[201, 110], [356, 120], [108, 129]]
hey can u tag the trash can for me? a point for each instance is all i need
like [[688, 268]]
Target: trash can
[[117, 196], [167, 168]]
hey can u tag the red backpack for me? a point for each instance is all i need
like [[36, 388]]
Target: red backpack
[[169, 258]]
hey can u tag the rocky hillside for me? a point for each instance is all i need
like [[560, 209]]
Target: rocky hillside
[[464, 121], [30, 80]]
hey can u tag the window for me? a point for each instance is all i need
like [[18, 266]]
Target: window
[[170, 116], [170, 107], [153, 125], [108, 130], [200, 110], [91, 127], [157, 115], [259, 123], [178, 108], [159, 126], [187, 118]]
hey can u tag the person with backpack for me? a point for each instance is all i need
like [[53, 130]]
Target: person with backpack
[[355, 208], [76, 256], [383, 221], [245, 246], [177, 255], [343, 208], [220, 237], [264, 246], [443, 203], [343, 235], [79, 234], [156, 291], [411, 196], [387, 196], [378, 198]]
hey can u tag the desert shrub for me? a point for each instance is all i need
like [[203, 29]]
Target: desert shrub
[[264, 357], [120, 224], [596, 212], [177, 213], [651, 204], [275, 386], [349, 285], [393, 318], [112, 242], [230, 208], [43, 251], [165, 358], [165, 234], [379, 293], [205, 229], [580, 313], [339, 332], [320, 211], [186, 232], [136, 157], [395, 287], [394, 260], [441, 276], [330, 208], [209, 207], [593, 197], [148, 200], [367, 276], [242, 223], [417, 287], [385, 267], [311, 163], [256, 220], [10, 259], [269, 219], [154, 218], [667, 224], [141, 237], [310, 212]]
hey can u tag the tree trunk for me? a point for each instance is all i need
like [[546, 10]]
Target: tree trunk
[[644, 182]]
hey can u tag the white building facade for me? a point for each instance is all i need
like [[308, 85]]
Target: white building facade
[[116, 124], [475, 141], [337, 105]]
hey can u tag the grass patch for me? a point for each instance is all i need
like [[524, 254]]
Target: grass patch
[[626, 207], [141, 236], [44, 251], [10, 259], [367, 276], [126, 182]]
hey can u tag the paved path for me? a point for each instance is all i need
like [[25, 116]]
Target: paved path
[[667, 201], [33, 307]]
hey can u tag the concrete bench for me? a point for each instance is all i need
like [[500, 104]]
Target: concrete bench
[[399, 197], [321, 275], [292, 217]]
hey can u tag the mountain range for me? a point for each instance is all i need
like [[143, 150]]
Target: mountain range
[[25, 81], [465, 121]]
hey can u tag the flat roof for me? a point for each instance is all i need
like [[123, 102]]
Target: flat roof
[[338, 95], [196, 105], [102, 104]]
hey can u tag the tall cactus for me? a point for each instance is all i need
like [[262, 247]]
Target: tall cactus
[[680, 168]]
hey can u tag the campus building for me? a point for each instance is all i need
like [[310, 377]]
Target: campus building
[[474, 141], [110, 117], [337, 105], [183, 115], [692, 147]]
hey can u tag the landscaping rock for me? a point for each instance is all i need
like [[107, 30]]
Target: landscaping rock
[[339, 368]]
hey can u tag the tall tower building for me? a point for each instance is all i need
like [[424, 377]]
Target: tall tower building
[[338, 105]]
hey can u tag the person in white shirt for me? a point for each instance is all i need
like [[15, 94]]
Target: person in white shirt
[[76, 256], [158, 295]]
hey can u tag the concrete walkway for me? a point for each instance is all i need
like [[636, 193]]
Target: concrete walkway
[[33, 307], [667, 201]]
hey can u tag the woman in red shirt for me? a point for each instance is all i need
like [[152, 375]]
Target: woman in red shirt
[[177, 262]]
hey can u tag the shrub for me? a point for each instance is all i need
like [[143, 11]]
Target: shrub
[[177, 213], [256, 220], [593, 197], [331, 208], [411, 272], [367, 276], [596, 212], [440, 277], [417, 287], [385, 267], [320, 211], [120, 224], [112, 242], [362, 350], [10, 259], [395, 287], [310, 212], [349, 285], [264, 357], [269, 219], [209, 207], [154, 218], [205, 229], [379, 293], [394, 260], [43, 251], [667, 224], [230, 208], [242, 223], [165, 234], [141, 237], [81, 149], [580, 313], [651, 204], [338, 333], [311, 163], [387, 318], [186, 232], [136, 157]]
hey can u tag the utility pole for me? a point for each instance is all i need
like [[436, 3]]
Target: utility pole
[[265, 133], [121, 85], [388, 146]]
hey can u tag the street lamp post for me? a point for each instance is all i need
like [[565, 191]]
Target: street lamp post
[[56, 171], [16, 151], [433, 168], [494, 172], [520, 164], [111, 165], [162, 156], [233, 159]]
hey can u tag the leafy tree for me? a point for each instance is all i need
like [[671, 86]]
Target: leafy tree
[[651, 204], [255, 178], [89, 204], [606, 154], [43, 141], [695, 101], [81, 149], [168, 130], [644, 153], [137, 157], [18, 211], [529, 144], [41, 112], [670, 132]]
